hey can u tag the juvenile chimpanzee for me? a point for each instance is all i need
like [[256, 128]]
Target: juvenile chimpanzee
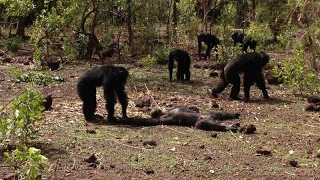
[[244, 41], [183, 59], [183, 116], [251, 65], [210, 40], [113, 79]]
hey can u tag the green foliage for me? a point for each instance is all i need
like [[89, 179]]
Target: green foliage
[[28, 110], [18, 7], [15, 71], [19, 123], [224, 30], [70, 48], [188, 23], [226, 53], [39, 78], [149, 61], [29, 162], [226, 22], [259, 32], [47, 28], [297, 74], [38, 59], [13, 44], [162, 54]]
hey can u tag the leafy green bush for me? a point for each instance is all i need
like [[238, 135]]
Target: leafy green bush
[[226, 53], [18, 126], [162, 55], [149, 61], [13, 44], [297, 74], [38, 78], [28, 162], [28, 110]]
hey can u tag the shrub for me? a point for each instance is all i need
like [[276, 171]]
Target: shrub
[[148, 61], [162, 55], [28, 162], [297, 74], [13, 44]]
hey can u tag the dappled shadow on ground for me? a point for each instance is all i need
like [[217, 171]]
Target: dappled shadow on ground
[[48, 149], [271, 101]]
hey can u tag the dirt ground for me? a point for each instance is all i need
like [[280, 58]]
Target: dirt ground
[[288, 133]]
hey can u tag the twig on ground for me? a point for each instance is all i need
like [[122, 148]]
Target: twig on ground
[[149, 92]]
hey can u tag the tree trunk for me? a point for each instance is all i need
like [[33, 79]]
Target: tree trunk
[[253, 16], [21, 27], [129, 24], [174, 18]]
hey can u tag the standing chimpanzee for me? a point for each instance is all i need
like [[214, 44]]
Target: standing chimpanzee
[[183, 116], [113, 79], [244, 41], [251, 65], [183, 59], [211, 41]]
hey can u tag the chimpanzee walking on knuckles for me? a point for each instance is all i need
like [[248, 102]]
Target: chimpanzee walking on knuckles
[[113, 79]]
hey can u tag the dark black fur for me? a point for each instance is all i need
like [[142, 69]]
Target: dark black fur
[[183, 59], [251, 65], [183, 116], [244, 41], [113, 79], [210, 40]]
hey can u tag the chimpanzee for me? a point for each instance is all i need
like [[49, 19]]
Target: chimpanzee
[[210, 40], [184, 60], [244, 41], [113, 79], [251, 65], [184, 116]]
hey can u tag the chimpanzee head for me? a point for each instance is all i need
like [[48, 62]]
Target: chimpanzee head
[[123, 75]]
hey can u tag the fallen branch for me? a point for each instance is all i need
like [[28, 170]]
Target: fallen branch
[[153, 98]]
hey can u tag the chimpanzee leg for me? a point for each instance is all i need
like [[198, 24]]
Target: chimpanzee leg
[[89, 104], [187, 75], [123, 99], [236, 86], [111, 100], [247, 83], [245, 47], [179, 76], [261, 84], [219, 88], [209, 47]]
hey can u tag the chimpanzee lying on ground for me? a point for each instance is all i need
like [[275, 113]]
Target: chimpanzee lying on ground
[[244, 41], [183, 59], [183, 116], [251, 65], [113, 79], [210, 40]]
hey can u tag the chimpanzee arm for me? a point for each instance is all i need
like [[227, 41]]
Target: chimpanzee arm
[[261, 84], [111, 100], [212, 125], [123, 99], [170, 66]]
